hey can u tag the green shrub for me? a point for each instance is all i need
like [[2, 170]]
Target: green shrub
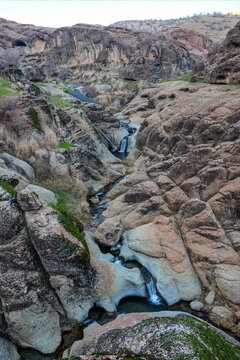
[[64, 145], [5, 89], [33, 114], [59, 102], [39, 84]]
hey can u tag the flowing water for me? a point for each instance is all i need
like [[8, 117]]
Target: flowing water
[[123, 145]]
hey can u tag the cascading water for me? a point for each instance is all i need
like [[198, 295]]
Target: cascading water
[[118, 260], [123, 145], [154, 298]]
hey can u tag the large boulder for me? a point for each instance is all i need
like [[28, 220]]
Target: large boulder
[[165, 335], [29, 304]]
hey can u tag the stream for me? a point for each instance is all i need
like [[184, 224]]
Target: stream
[[122, 149], [153, 301]]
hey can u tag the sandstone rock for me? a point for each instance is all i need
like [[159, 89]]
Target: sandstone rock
[[223, 62], [228, 281], [43, 194], [225, 205], [110, 230], [128, 182], [210, 297], [28, 200], [154, 246], [222, 316], [8, 350], [141, 192], [192, 187], [142, 198], [164, 183], [196, 305], [204, 236], [175, 198]]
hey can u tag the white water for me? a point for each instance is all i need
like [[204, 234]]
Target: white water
[[152, 292], [117, 246], [117, 260], [123, 145]]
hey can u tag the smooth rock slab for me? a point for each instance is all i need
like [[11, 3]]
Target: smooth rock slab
[[228, 281], [159, 247]]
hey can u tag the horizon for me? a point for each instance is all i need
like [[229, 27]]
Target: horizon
[[107, 12]]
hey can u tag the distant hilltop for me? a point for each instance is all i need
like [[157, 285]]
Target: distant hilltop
[[234, 13], [215, 26]]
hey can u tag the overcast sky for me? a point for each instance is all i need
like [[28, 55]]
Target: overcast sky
[[56, 13]]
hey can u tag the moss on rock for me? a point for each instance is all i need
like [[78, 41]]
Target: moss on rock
[[73, 226]]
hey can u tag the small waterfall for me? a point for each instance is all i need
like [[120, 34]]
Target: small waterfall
[[117, 246], [118, 260], [123, 145], [153, 296]]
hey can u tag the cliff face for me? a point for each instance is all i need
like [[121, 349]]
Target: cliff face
[[15, 34], [133, 55], [223, 64]]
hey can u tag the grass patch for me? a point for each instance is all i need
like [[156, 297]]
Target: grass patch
[[5, 89], [64, 87], [59, 102], [105, 80], [64, 145], [5, 185], [72, 225], [39, 84], [113, 197], [33, 114]]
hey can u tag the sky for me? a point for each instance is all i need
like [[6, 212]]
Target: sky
[[57, 13]]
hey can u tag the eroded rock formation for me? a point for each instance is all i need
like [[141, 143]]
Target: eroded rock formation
[[187, 192], [223, 63], [71, 51]]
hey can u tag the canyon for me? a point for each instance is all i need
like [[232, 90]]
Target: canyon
[[102, 202]]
